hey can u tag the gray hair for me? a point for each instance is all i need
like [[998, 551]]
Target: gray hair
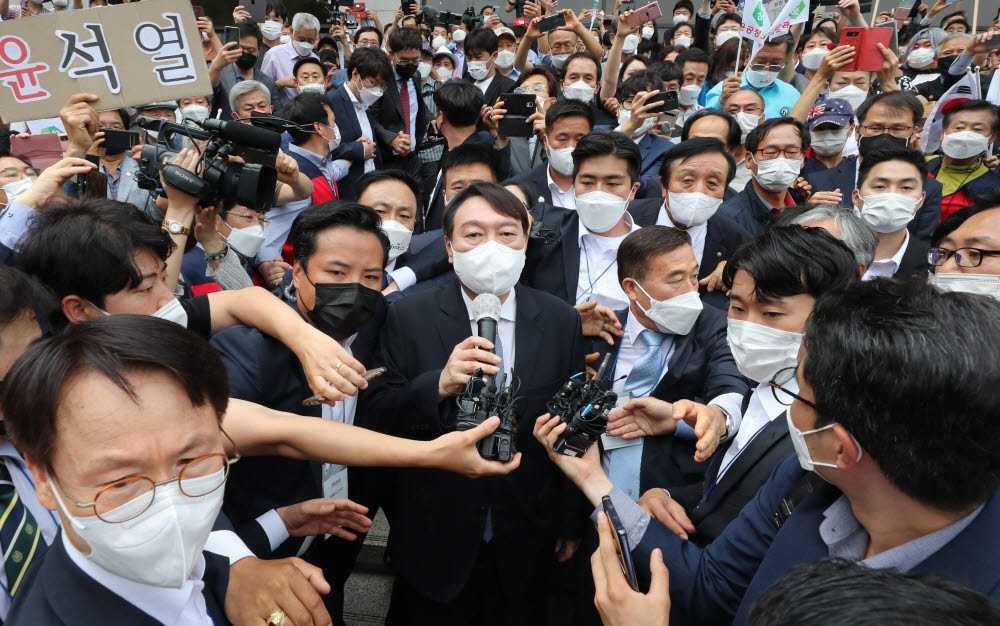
[[944, 42], [308, 21], [244, 87], [855, 232]]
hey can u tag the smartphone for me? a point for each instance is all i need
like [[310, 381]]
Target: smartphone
[[993, 44], [621, 543], [904, 9], [867, 58], [644, 14], [232, 34], [320, 399], [668, 100], [519, 107], [257, 10], [199, 11], [93, 184], [116, 140], [407, 7], [359, 10], [552, 22]]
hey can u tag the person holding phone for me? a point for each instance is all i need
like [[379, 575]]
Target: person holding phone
[[117, 164], [640, 110], [239, 62]]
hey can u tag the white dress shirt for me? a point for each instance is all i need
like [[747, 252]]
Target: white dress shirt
[[598, 277], [696, 233], [887, 268], [279, 62], [361, 111], [560, 198], [762, 410], [484, 84]]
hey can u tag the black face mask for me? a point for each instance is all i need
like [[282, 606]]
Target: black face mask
[[114, 151], [406, 71], [880, 142], [341, 309], [246, 61], [945, 62]]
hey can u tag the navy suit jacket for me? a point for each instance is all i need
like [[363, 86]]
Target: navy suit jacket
[[844, 178], [386, 117], [350, 148], [719, 584], [56, 592], [538, 178]]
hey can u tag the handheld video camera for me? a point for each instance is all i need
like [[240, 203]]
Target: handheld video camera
[[250, 184], [584, 405], [482, 398]]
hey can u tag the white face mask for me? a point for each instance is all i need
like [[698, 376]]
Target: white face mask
[[439, 42], [16, 188], [161, 546], [303, 48], [680, 18], [688, 95], [888, 212], [561, 160], [270, 30], [173, 312], [777, 174], [285, 39], [489, 268], [977, 284], [399, 237], [458, 36], [747, 123], [312, 88], [624, 116], [478, 70], [247, 241], [60, 3], [676, 315], [802, 450], [579, 91], [424, 69], [829, 142], [920, 58], [559, 60], [854, 95], [760, 80], [964, 144], [630, 44], [600, 211], [335, 142], [683, 40], [443, 73], [812, 59], [195, 112], [647, 32], [505, 59], [369, 95], [724, 36], [760, 351], [691, 209]]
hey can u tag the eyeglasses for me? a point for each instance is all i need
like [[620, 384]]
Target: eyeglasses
[[964, 257], [563, 48], [772, 153], [782, 395], [404, 62], [535, 87], [759, 67], [129, 498], [901, 132], [752, 109], [12, 172], [255, 219]]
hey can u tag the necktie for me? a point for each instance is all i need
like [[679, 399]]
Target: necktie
[[19, 534], [404, 98], [626, 462]]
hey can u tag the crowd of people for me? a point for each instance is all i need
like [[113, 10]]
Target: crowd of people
[[791, 270]]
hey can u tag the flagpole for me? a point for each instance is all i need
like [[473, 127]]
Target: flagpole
[[975, 17], [874, 12], [739, 51]]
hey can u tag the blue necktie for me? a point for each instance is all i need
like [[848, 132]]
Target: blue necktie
[[626, 462], [498, 349]]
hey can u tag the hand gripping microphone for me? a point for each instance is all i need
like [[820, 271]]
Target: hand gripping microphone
[[486, 312]]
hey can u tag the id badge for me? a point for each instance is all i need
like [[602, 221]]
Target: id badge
[[613, 443], [334, 481]]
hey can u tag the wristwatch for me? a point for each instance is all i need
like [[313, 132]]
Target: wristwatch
[[176, 228]]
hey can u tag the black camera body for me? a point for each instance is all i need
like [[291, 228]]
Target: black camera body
[[584, 405], [481, 399]]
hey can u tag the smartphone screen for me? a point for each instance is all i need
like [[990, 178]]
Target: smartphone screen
[[198, 11], [232, 34]]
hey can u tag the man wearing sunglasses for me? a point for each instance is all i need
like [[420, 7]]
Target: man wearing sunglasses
[[966, 250], [761, 76]]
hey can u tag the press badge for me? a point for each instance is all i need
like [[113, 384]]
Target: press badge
[[334, 481], [613, 443]]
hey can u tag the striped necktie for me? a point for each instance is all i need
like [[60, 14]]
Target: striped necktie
[[19, 533]]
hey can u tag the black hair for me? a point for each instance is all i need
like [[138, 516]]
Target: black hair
[[115, 346], [639, 81], [23, 294], [667, 70], [332, 214], [88, 247], [728, 17], [401, 176], [688, 148], [927, 422], [987, 202], [326, 40], [683, 4], [568, 108], [790, 261], [906, 155], [370, 63], [734, 135], [529, 191], [278, 7], [634, 58], [502, 201], [550, 79], [782, 40], [469, 154], [638, 250], [367, 29], [598, 143], [460, 102], [963, 22], [722, 57], [757, 136], [836, 592], [250, 29], [307, 61], [974, 105], [481, 40], [694, 55], [305, 109], [894, 100], [583, 54], [822, 30], [404, 39]]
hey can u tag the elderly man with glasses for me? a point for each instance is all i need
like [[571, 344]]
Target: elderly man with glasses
[[966, 250]]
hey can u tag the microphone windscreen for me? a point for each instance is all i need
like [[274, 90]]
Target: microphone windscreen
[[486, 305]]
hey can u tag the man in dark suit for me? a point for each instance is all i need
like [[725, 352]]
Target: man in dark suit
[[480, 61], [458, 545], [899, 495], [468, 163], [370, 71], [400, 127], [566, 122]]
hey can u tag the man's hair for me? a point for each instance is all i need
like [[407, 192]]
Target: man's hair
[[332, 214], [906, 155], [378, 176], [683, 4], [782, 40], [907, 374], [790, 261], [23, 294], [469, 154], [502, 201], [587, 56], [964, 22], [822, 30], [249, 29], [368, 29], [370, 63], [115, 347], [688, 148], [304, 109], [635, 58], [987, 202], [306, 21], [638, 251], [694, 55], [405, 38], [855, 232], [728, 17], [757, 136], [733, 136], [974, 105], [550, 79], [460, 102], [667, 70], [307, 61], [644, 80], [598, 143], [568, 108], [893, 100], [244, 87], [278, 7], [88, 247], [481, 40], [836, 592]]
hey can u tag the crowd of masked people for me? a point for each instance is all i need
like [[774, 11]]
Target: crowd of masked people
[[791, 276]]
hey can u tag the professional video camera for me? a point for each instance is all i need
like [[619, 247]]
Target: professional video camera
[[250, 183], [584, 405]]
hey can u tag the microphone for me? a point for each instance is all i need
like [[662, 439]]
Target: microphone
[[156, 124], [244, 134], [486, 312]]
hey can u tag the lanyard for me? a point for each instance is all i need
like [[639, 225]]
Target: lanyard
[[16, 466], [722, 470], [663, 370], [586, 258]]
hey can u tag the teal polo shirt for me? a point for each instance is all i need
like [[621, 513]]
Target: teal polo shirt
[[779, 97]]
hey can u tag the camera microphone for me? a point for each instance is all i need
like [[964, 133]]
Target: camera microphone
[[244, 134], [157, 124], [486, 312]]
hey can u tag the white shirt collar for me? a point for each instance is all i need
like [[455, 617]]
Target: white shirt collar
[[584, 231], [508, 309], [357, 103], [887, 268], [162, 603], [633, 327], [771, 406]]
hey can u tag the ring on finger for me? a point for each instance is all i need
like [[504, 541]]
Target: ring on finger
[[337, 369], [277, 618]]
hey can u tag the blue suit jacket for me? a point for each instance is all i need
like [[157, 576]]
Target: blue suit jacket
[[719, 584], [350, 148]]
